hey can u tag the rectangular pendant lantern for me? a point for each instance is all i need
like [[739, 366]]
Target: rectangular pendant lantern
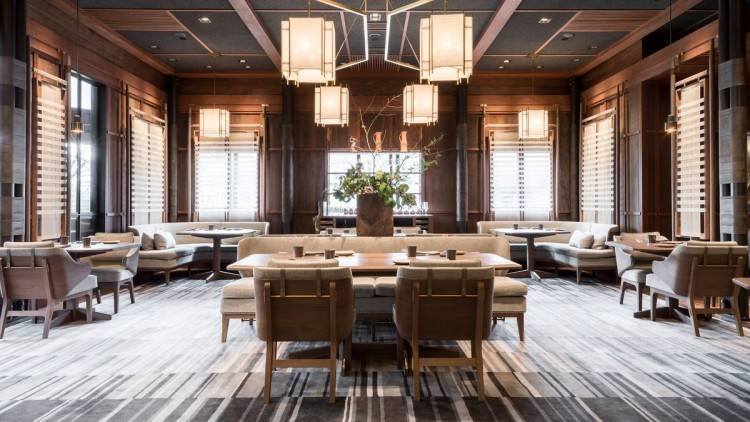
[[331, 105], [420, 104], [446, 47], [308, 50], [214, 122], [533, 124]]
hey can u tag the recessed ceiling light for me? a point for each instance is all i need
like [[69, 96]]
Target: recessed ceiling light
[[576, 60], [373, 36], [593, 47], [506, 61], [172, 59], [539, 66], [243, 61], [208, 66], [567, 35], [204, 19], [375, 17], [501, 67], [247, 67], [154, 46], [545, 20], [180, 35]]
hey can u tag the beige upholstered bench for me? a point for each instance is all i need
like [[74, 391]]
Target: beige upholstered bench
[[510, 301]]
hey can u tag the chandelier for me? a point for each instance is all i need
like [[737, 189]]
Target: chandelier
[[445, 47], [308, 50], [533, 124], [420, 104], [214, 122], [331, 105]]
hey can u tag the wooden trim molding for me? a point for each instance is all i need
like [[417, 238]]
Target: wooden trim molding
[[497, 22], [253, 23]]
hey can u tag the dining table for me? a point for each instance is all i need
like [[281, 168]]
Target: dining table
[[530, 234], [217, 235], [371, 262]]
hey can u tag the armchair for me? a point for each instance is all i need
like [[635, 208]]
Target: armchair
[[49, 274], [692, 272], [632, 269]]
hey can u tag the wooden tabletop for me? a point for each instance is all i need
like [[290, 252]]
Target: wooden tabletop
[[217, 233], [529, 232], [372, 262], [743, 282], [78, 250], [660, 248]]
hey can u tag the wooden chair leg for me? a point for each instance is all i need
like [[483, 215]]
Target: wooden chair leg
[[116, 297], [98, 296], [48, 312], [416, 372], [348, 354], [89, 308], [735, 306], [519, 320], [224, 328], [399, 351], [578, 276], [269, 371], [494, 319], [622, 290], [3, 318], [639, 296], [479, 368], [166, 277], [332, 367], [654, 299], [131, 291], [693, 316]]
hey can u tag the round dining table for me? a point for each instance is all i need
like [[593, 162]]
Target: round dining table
[[217, 235], [530, 234]]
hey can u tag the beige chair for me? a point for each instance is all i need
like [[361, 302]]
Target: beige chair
[[238, 297], [304, 304], [423, 298], [117, 269], [633, 236], [699, 272], [632, 269], [48, 274]]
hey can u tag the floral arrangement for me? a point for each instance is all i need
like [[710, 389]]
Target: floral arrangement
[[390, 186]]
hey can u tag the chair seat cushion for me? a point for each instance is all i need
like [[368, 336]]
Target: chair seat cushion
[[509, 304], [385, 286], [240, 289], [635, 275], [364, 287], [87, 284], [506, 286], [111, 273], [238, 306], [654, 282], [166, 254]]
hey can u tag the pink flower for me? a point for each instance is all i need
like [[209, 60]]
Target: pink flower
[[369, 189]]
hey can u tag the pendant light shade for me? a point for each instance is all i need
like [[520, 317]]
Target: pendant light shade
[[533, 124], [420, 104], [214, 122], [308, 50], [670, 126], [445, 47], [331, 105], [76, 126]]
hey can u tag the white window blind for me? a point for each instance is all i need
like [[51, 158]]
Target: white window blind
[[147, 170], [520, 176], [598, 168], [690, 160], [226, 177], [51, 170]]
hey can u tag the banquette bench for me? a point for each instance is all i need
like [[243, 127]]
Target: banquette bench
[[555, 250], [188, 249]]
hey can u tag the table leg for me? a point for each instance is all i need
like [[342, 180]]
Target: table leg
[[217, 273], [71, 312], [531, 271]]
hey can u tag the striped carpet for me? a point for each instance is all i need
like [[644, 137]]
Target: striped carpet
[[585, 358]]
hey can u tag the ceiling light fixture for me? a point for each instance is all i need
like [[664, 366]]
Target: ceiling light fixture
[[567, 35], [359, 13], [445, 47], [243, 61], [388, 17], [154, 46], [544, 20], [533, 124], [172, 59], [506, 61], [204, 19], [308, 50], [375, 17], [214, 122], [539, 66], [420, 104], [208, 66], [670, 126], [76, 125], [501, 67], [593, 47], [331, 105], [247, 66], [576, 59]]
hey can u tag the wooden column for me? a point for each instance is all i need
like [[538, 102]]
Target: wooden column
[[462, 172], [287, 158], [172, 152], [733, 124], [13, 118], [575, 130]]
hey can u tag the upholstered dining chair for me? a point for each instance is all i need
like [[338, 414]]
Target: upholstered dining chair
[[632, 269], [117, 269], [423, 296], [48, 274], [304, 304], [699, 272]]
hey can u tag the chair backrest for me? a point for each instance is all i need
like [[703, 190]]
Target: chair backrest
[[37, 272], [631, 236], [702, 271], [303, 304], [306, 262], [116, 255], [27, 245], [443, 263], [445, 303]]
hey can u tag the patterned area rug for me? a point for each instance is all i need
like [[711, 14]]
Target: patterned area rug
[[585, 358]]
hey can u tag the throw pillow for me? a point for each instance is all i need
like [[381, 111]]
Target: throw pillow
[[164, 240], [147, 242], [599, 241], [581, 240]]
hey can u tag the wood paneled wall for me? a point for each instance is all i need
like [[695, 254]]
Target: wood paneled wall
[[369, 91]]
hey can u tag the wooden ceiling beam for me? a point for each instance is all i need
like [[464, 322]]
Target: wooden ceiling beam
[[503, 13], [252, 22], [678, 8]]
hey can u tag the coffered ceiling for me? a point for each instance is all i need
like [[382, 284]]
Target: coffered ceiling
[[509, 35]]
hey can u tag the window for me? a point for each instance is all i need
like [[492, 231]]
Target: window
[[520, 176], [50, 197], [226, 176], [340, 162], [598, 168], [690, 161], [147, 168], [82, 158]]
